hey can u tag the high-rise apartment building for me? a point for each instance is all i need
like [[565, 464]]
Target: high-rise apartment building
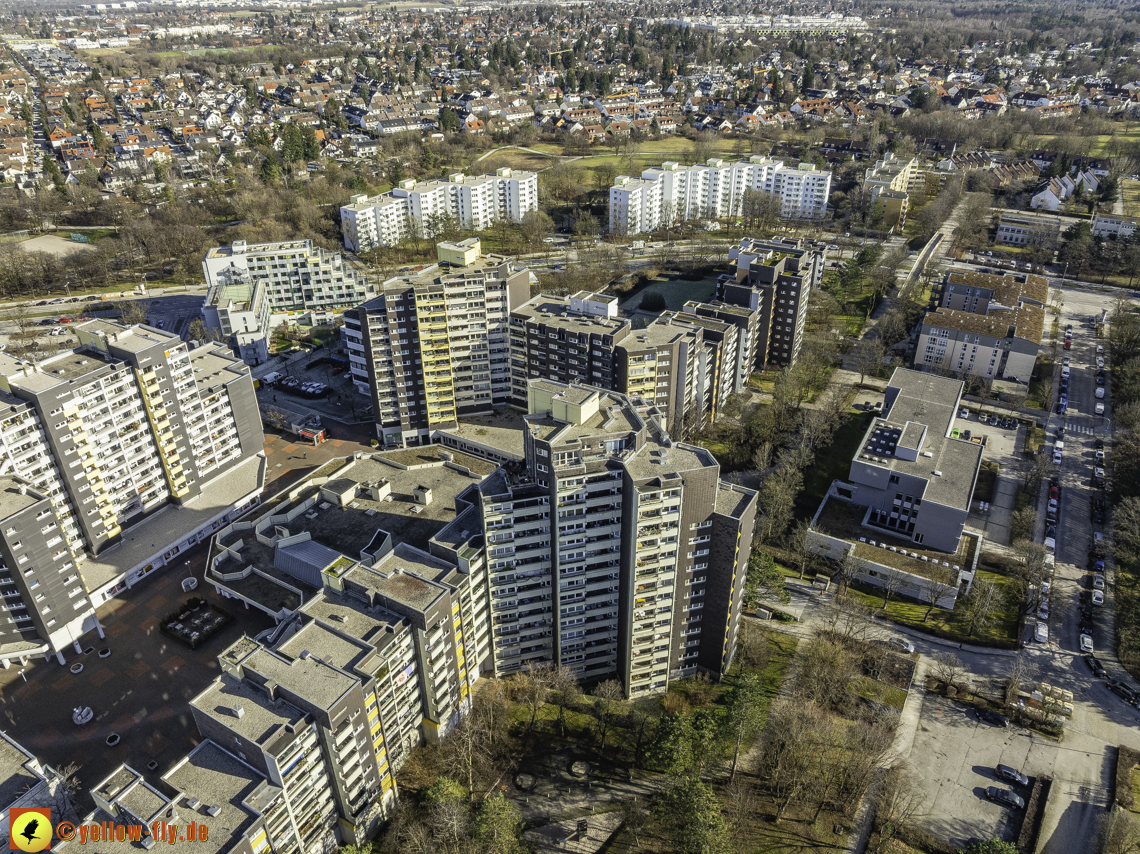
[[375, 570], [674, 192], [421, 208], [581, 339], [398, 578], [96, 440], [252, 288], [619, 553], [774, 278], [434, 345]]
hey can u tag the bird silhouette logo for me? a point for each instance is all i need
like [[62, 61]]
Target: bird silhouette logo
[[29, 829]]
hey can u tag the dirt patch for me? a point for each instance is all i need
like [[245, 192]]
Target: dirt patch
[[53, 244]]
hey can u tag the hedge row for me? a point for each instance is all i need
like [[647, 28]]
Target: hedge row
[[1126, 760], [1034, 812]]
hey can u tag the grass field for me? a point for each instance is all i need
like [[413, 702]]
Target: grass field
[[512, 158], [1130, 191], [835, 461], [878, 692], [948, 624]]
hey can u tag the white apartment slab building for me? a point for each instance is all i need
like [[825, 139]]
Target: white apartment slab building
[[253, 287], [675, 192], [421, 207]]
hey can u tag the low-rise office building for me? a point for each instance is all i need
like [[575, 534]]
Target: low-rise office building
[[986, 325], [1114, 226], [1029, 229], [252, 288], [904, 508]]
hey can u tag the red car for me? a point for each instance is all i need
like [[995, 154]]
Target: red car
[[65, 320], [1068, 345]]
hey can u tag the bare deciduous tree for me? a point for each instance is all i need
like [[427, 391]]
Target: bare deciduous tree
[[948, 668]]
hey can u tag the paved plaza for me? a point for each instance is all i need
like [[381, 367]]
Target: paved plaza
[[142, 690]]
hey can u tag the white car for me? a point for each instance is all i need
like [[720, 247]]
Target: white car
[[1041, 633], [1100, 361], [1098, 582], [1046, 586], [965, 413], [1086, 643], [1099, 349], [1099, 408], [902, 645], [1099, 395], [1065, 361], [1065, 371], [1057, 456], [1098, 597]]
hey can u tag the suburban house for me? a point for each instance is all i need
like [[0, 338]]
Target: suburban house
[[902, 514]]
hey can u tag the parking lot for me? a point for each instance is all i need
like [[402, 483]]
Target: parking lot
[[340, 402], [955, 755]]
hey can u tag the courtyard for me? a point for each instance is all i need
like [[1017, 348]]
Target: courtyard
[[141, 691]]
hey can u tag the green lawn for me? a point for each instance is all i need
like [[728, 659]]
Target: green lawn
[[878, 692], [834, 463], [1002, 631]]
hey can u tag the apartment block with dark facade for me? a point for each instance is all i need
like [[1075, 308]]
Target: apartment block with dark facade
[[775, 278], [566, 339]]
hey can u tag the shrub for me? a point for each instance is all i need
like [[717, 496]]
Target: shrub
[[1126, 760], [1034, 810], [653, 302]]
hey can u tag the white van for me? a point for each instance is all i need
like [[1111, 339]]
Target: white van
[[270, 378]]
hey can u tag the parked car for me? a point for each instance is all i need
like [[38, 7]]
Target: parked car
[[1098, 597], [1095, 666], [1086, 643], [1011, 774], [992, 717], [1041, 632], [1123, 691], [902, 645], [1005, 797], [965, 413]]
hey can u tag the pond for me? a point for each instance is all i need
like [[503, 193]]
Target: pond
[[676, 292]]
